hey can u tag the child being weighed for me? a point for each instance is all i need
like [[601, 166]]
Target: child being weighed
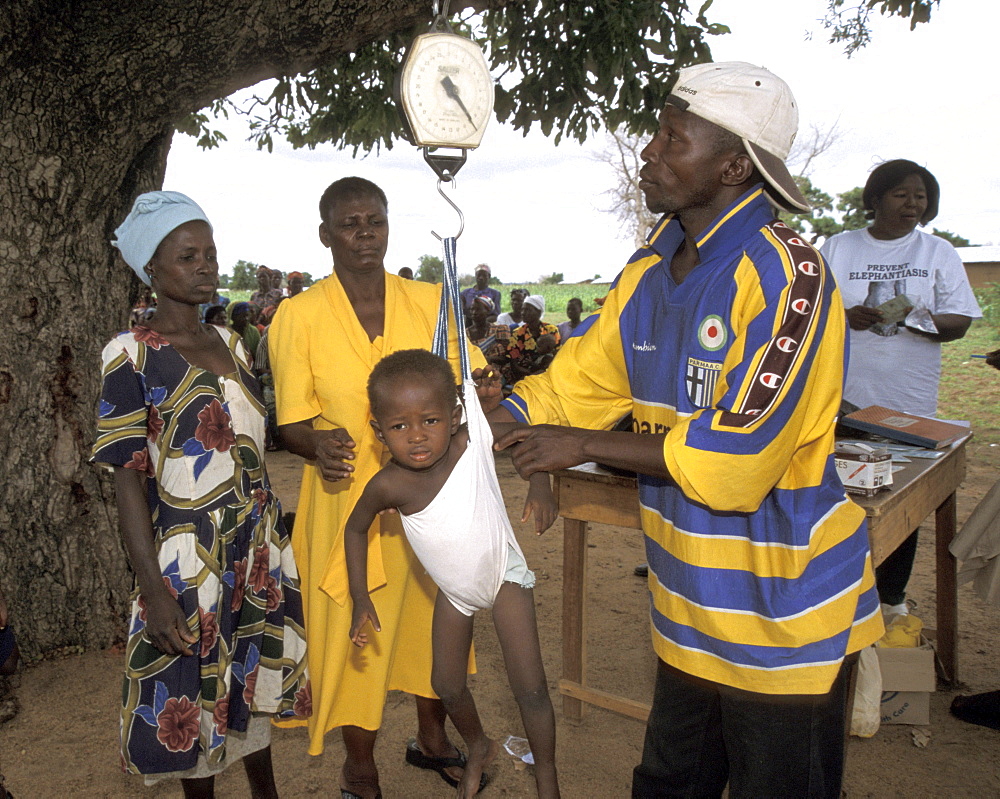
[[442, 481]]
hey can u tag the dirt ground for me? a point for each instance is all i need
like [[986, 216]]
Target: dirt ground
[[50, 750]]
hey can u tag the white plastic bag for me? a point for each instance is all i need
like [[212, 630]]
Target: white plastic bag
[[867, 695]]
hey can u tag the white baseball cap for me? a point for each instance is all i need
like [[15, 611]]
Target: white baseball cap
[[757, 106]]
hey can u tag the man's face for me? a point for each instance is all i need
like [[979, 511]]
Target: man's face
[[573, 310], [482, 279], [682, 163], [295, 285]]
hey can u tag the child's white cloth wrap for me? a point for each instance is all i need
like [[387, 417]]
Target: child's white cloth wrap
[[461, 537]]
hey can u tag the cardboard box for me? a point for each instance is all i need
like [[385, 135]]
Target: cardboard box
[[863, 469], [907, 681]]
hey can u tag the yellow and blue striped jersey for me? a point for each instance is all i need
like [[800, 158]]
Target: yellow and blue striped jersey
[[760, 572]]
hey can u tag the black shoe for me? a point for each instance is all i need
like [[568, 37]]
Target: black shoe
[[642, 570]]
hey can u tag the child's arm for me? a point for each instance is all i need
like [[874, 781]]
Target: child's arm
[[541, 501], [356, 550]]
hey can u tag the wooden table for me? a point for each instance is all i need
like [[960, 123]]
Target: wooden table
[[588, 494]]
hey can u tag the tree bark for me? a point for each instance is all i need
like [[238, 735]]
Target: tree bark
[[89, 92]]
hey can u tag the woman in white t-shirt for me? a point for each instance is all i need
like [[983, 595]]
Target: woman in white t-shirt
[[891, 364]]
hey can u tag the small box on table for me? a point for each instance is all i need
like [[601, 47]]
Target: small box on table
[[863, 469]]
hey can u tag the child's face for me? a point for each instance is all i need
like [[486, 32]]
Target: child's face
[[416, 422]]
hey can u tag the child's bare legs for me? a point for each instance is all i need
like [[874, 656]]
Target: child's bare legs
[[452, 638], [359, 774], [517, 631], [259, 772]]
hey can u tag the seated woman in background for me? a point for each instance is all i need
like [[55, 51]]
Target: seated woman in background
[[522, 349], [241, 320], [490, 337]]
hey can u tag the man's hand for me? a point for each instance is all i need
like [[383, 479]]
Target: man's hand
[[993, 359], [489, 387], [334, 449], [544, 448], [861, 317]]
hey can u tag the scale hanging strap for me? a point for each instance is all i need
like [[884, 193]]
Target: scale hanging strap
[[450, 296]]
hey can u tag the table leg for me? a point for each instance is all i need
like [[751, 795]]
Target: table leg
[[574, 612], [946, 569]]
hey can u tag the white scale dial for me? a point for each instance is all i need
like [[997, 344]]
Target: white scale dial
[[446, 91]]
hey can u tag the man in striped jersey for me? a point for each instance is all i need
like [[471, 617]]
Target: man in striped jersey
[[724, 336]]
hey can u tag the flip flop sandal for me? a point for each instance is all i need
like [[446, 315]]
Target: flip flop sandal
[[346, 794], [439, 764]]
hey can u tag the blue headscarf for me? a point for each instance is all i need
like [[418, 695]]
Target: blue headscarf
[[153, 217]]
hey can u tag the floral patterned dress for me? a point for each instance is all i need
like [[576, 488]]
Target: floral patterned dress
[[222, 549], [522, 347]]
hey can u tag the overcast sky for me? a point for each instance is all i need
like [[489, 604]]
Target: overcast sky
[[533, 208]]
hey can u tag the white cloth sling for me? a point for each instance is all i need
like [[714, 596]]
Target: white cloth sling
[[461, 537]]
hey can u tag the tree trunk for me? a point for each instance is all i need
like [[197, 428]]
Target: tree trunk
[[89, 92]]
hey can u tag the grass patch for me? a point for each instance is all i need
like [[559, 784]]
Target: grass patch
[[969, 388]]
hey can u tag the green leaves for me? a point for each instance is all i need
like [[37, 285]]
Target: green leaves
[[568, 67], [849, 23]]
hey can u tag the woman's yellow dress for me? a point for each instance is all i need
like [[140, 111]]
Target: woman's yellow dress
[[321, 358]]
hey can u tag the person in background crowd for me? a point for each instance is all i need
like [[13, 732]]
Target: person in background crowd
[[491, 338], [267, 315], [523, 345], [574, 309], [724, 336], [215, 646], [406, 273], [897, 365], [276, 280], [544, 353], [145, 302], [218, 300], [259, 297], [241, 320], [514, 318], [481, 289], [262, 368], [296, 281], [215, 315]]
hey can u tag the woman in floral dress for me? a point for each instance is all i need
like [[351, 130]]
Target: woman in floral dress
[[216, 644], [523, 344]]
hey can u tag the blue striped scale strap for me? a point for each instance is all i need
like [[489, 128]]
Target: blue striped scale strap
[[450, 296]]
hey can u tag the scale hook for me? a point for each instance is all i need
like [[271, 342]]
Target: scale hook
[[447, 199]]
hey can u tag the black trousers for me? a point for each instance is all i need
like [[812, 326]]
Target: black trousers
[[893, 573], [702, 735]]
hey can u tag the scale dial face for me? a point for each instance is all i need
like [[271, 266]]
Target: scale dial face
[[446, 91]]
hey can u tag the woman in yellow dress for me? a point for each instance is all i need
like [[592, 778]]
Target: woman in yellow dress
[[323, 345]]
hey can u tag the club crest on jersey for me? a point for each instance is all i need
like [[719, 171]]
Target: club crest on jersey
[[700, 378], [712, 333]]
